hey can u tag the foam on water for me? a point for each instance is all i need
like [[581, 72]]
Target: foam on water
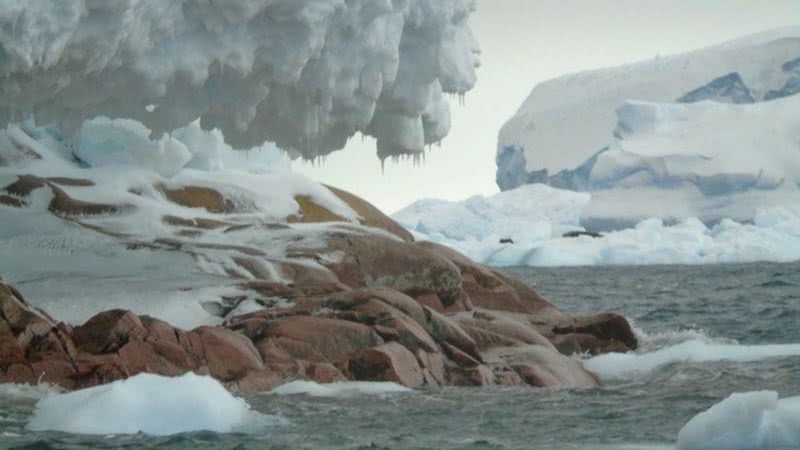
[[616, 365], [25, 391], [150, 404], [340, 390], [750, 420]]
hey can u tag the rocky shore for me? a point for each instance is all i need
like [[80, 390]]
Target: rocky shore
[[336, 290], [388, 310]]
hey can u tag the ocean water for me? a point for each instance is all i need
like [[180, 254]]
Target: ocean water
[[706, 331]]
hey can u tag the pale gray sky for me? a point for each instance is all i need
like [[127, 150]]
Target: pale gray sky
[[525, 42]]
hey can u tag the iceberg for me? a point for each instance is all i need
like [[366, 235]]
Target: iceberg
[[709, 134], [749, 420], [539, 225], [149, 404], [529, 216], [540, 143]]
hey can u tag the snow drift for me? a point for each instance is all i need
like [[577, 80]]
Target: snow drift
[[150, 404], [74, 272], [304, 74]]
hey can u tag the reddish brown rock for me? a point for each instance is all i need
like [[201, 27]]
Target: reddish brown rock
[[433, 367], [256, 381], [98, 369], [490, 289], [373, 307], [544, 367], [370, 215], [480, 375], [229, 355], [323, 373], [332, 338], [610, 330], [387, 362], [108, 332], [54, 370], [374, 260], [495, 329]]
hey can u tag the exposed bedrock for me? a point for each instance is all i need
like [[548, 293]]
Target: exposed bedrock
[[365, 302]]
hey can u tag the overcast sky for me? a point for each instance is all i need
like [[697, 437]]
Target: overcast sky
[[525, 42]]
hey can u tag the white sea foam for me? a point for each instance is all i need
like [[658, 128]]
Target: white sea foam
[[751, 420], [340, 390], [616, 365], [150, 404], [25, 391]]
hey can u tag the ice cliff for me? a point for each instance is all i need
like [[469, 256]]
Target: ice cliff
[[713, 134]]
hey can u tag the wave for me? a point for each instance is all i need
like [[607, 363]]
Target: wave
[[620, 365], [651, 341], [340, 390], [26, 392]]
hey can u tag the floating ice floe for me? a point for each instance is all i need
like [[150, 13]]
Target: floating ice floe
[[149, 404], [750, 420]]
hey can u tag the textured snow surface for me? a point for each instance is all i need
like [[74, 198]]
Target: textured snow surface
[[306, 74], [74, 272], [749, 420], [340, 390], [535, 217], [149, 404]]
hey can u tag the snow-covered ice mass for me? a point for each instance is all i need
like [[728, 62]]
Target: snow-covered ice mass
[[306, 75], [748, 420], [150, 404], [540, 225], [689, 159]]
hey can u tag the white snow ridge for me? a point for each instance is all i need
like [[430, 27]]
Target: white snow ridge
[[304, 74]]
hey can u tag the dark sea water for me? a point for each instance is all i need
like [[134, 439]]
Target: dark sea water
[[745, 309]]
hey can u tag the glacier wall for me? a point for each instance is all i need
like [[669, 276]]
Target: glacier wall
[[709, 134], [567, 120], [306, 75]]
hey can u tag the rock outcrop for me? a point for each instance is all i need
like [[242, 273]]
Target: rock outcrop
[[402, 311], [341, 292]]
